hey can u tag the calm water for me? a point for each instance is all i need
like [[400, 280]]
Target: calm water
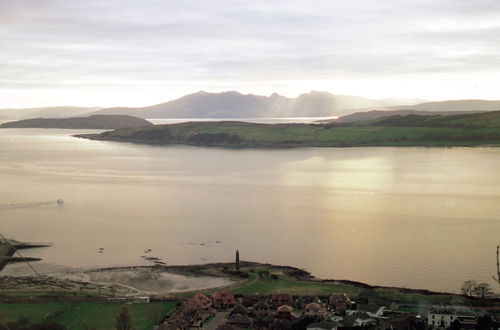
[[415, 217]]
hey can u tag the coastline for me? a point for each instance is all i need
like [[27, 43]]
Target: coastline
[[106, 279], [450, 144]]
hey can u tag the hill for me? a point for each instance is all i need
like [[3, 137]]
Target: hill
[[377, 114], [235, 105], [411, 130], [90, 122], [453, 105], [48, 112]]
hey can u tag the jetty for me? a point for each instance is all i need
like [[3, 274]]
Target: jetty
[[9, 247]]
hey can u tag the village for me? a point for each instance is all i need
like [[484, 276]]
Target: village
[[223, 310]]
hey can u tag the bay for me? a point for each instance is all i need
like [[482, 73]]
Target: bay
[[415, 217]]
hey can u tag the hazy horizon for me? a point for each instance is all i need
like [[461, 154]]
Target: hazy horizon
[[403, 101]]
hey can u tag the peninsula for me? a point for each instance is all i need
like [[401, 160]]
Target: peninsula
[[90, 122], [410, 130]]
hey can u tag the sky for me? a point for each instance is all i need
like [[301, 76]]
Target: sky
[[143, 52]]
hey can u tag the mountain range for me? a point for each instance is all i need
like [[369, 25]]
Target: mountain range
[[236, 105]]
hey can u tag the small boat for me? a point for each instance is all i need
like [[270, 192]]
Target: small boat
[[60, 201]]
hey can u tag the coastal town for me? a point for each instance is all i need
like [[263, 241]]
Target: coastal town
[[223, 310]]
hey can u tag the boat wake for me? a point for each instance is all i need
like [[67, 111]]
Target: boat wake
[[28, 205]]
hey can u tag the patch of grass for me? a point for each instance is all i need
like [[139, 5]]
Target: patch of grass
[[397, 295], [94, 315], [41, 294], [267, 285]]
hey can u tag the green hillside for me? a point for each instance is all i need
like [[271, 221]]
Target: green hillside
[[411, 130]]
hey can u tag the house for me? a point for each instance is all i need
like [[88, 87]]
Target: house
[[443, 316], [323, 325], [251, 299], [239, 309], [223, 299], [316, 311], [284, 312], [302, 301], [339, 302], [279, 299], [201, 301], [402, 321], [261, 308]]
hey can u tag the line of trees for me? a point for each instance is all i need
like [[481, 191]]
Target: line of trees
[[473, 289]]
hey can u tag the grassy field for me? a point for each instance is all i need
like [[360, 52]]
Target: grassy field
[[458, 130], [278, 279], [267, 286], [93, 315]]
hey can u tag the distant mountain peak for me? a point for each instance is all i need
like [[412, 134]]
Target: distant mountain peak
[[233, 104]]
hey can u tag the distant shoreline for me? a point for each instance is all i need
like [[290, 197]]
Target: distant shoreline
[[98, 137]]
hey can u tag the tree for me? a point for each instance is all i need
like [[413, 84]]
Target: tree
[[123, 321], [468, 288], [482, 290]]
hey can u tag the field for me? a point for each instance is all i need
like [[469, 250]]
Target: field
[[81, 315], [269, 279]]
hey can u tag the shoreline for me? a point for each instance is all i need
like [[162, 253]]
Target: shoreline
[[217, 270], [99, 137]]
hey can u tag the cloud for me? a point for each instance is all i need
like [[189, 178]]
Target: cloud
[[84, 44]]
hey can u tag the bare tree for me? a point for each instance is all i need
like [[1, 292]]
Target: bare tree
[[468, 288], [482, 290]]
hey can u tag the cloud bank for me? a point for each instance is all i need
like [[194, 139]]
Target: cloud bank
[[128, 52]]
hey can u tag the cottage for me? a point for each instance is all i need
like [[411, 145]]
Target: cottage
[[238, 309], [284, 312], [223, 300], [201, 302], [339, 302], [302, 301], [316, 311], [261, 308], [444, 316]]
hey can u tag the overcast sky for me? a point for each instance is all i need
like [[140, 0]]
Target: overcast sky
[[141, 52]]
